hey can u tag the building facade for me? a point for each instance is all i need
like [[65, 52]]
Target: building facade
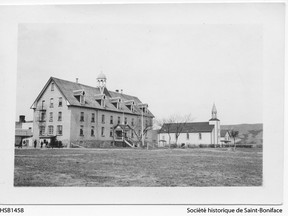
[[23, 132], [191, 133], [81, 115]]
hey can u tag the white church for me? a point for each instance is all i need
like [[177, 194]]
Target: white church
[[191, 133]]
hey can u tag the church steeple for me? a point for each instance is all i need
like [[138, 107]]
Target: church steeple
[[214, 112], [215, 138]]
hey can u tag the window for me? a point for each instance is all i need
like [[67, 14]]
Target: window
[[132, 122], [200, 136], [41, 130], [103, 118], [51, 117], [60, 102], [52, 86], [59, 116], [111, 119], [125, 121], [42, 104], [92, 131], [50, 129], [51, 103], [187, 136], [59, 130], [102, 131], [93, 117], [42, 116], [118, 119], [111, 132], [81, 130], [82, 116], [163, 137]]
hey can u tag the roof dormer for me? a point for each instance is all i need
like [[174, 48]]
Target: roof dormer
[[116, 102], [130, 104], [80, 96], [143, 107], [100, 99]]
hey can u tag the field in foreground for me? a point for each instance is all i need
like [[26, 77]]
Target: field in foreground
[[137, 167]]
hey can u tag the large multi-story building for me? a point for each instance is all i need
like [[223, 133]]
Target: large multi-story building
[[81, 115]]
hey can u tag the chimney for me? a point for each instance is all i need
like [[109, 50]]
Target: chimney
[[22, 118], [117, 90], [76, 80]]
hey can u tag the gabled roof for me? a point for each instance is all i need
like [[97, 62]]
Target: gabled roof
[[124, 127], [190, 127], [67, 88], [223, 133]]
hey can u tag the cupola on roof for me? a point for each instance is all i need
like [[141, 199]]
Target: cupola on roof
[[101, 76]]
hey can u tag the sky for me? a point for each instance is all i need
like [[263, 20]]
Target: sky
[[177, 67]]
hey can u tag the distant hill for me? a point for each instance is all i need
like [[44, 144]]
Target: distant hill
[[248, 133]]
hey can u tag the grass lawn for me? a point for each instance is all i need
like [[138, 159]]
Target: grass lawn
[[138, 167]]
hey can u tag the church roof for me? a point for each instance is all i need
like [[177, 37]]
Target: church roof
[[223, 133], [67, 88], [190, 127]]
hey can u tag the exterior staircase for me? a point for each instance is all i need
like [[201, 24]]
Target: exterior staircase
[[129, 143]]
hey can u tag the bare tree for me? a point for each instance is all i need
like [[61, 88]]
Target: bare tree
[[234, 134], [180, 124], [166, 126], [174, 124], [137, 128]]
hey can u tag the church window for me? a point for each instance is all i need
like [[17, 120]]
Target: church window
[[132, 122], [111, 119], [118, 119], [103, 119], [125, 121], [52, 86], [200, 136], [187, 136]]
